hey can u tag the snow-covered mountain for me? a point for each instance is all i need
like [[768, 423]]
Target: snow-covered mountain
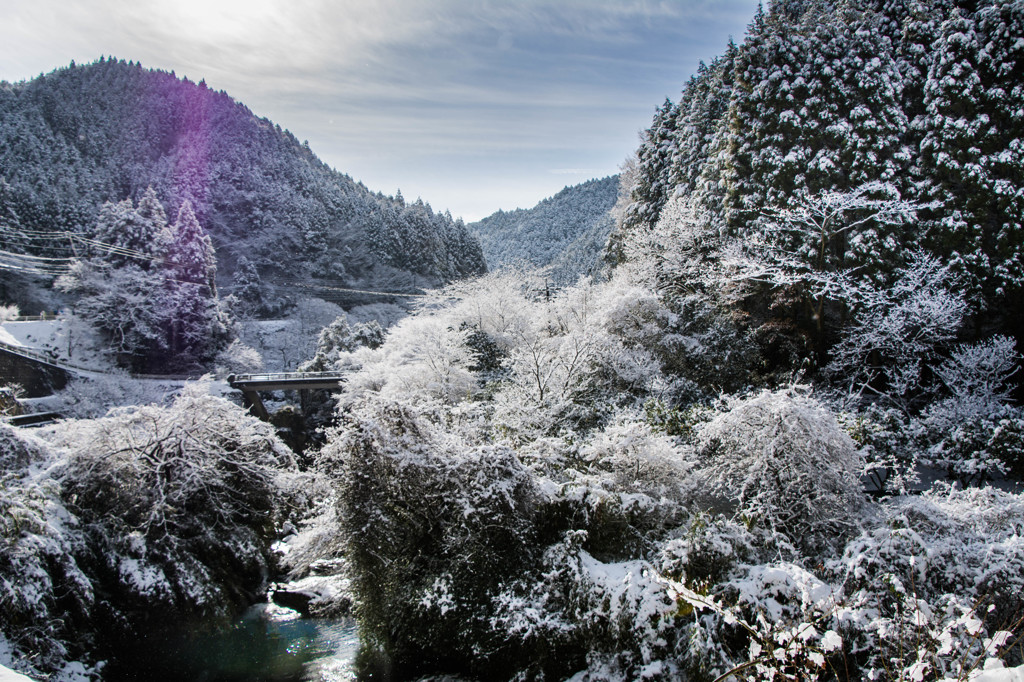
[[565, 232], [80, 136]]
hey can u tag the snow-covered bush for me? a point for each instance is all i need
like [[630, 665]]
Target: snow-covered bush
[[340, 337], [899, 329], [973, 433], [574, 613], [424, 359], [705, 551], [237, 358], [768, 622], [638, 460], [43, 591], [9, 395], [982, 447], [943, 573], [885, 437], [788, 466], [978, 376], [179, 506], [432, 526]]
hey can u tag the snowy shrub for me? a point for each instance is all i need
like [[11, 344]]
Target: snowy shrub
[[9, 395], [979, 448], [706, 550], [625, 486], [341, 337], [899, 329], [609, 621], [237, 358], [789, 467], [423, 359], [978, 377], [768, 622], [964, 541], [637, 459], [179, 506], [941, 561], [43, 592], [973, 433], [884, 436], [618, 525], [9, 312], [676, 421], [432, 525]]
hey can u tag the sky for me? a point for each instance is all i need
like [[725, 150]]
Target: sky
[[471, 105]]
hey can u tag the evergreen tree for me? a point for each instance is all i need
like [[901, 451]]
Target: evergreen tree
[[972, 150], [191, 257], [653, 186], [248, 287], [191, 293]]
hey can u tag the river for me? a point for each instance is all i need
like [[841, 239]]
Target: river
[[268, 644]]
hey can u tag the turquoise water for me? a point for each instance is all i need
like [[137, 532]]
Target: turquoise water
[[268, 644]]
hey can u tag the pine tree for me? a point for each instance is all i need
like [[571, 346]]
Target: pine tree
[[653, 182], [191, 257], [972, 151], [248, 287], [190, 293]]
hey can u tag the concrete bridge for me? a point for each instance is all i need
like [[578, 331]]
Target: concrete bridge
[[251, 384], [41, 374]]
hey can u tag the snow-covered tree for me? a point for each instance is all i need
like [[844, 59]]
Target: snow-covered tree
[[789, 467], [113, 527], [900, 329], [125, 305], [971, 150], [155, 301], [128, 234], [817, 248], [340, 337]]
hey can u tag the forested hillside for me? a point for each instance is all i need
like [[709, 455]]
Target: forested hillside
[[80, 136], [841, 139], [565, 233]]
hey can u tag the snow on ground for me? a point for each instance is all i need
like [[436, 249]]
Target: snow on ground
[[70, 343], [8, 675], [7, 656], [995, 672], [8, 338], [38, 334]]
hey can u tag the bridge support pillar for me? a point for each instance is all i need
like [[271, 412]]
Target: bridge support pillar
[[252, 400]]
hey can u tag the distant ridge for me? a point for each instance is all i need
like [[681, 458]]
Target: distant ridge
[[564, 233], [79, 136]]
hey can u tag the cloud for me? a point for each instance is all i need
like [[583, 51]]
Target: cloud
[[533, 88]]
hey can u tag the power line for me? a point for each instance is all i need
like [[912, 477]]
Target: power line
[[347, 290], [31, 257], [326, 285]]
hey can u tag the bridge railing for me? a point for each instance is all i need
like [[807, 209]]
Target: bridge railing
[[285, 376], [30, 353], [48, 358], [34, 318]]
